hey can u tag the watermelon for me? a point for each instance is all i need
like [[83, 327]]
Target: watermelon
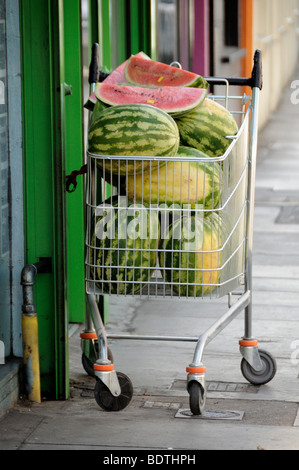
[[132, 130], [98, 108], [140, 71], [206, 128], [123, 248], [189, 256], [90, 103], [179, 182], [117, 75], [170, 99]]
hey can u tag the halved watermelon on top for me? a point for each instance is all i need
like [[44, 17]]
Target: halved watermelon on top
[[117, 75], [143, 72], [173, 100]]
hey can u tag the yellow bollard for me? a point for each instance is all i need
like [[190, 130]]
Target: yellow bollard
[[31, 356]]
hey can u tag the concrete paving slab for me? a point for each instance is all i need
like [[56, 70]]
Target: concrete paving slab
[[270, 271], [265, 223], [157, 428]]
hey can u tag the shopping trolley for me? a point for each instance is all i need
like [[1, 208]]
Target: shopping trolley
[[157, 237]]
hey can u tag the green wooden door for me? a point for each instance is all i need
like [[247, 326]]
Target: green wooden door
[[52, 135], [74, 157]]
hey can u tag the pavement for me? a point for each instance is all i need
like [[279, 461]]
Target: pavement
[[238, 416]]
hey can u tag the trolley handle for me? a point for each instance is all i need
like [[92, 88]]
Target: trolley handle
[[95, 75], [257, 72], [256, 79], [94, 64]]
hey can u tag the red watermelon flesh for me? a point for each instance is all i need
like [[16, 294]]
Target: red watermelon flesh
[[117, 75], [169, 99], [140, 71]]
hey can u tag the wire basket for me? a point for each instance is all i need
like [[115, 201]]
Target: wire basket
[[169, 226]]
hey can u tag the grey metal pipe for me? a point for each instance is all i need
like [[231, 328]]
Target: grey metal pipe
[[193, 339], [27, 281], [218, 326], [99, 327], [250, 212], [28, 274]]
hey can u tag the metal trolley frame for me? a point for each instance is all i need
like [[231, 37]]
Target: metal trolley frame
[[114, 390]]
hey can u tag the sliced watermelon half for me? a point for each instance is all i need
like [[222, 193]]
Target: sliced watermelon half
[[173, 100], [117, 75], [140, 71]]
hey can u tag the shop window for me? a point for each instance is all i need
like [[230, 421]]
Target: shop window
[[4, 177]]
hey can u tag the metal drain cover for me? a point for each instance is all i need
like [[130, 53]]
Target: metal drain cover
[[212, 414]]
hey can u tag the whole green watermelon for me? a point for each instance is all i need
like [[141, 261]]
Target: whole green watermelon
[[180, 182], [190, 255], [206, 128], [123, 248], [132, 130]]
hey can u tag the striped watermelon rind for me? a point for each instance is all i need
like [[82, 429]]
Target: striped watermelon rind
[[192, 273], [179, 182], [206, 128], [90, 103], [123, 261], [132, 130]]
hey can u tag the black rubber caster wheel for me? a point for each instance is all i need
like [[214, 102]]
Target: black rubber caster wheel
[[197, 398], [88, 362], [109, 402], [260, 377]]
